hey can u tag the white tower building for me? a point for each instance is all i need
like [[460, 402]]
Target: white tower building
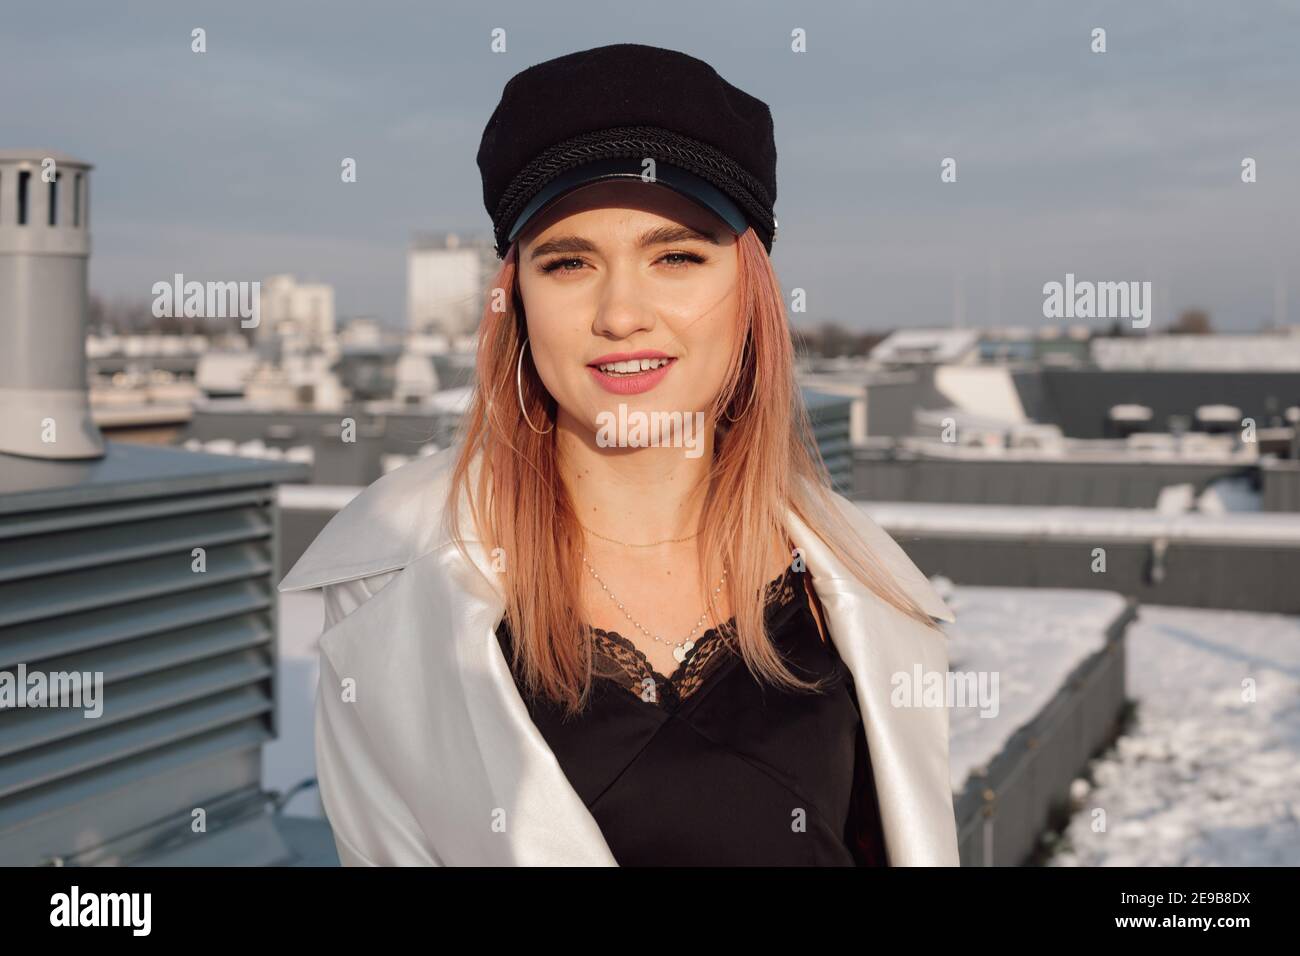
[[44, 253], [445, 282], [299, 311]]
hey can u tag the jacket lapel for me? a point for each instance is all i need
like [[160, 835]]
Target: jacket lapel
[[450, 727], [908, 745]]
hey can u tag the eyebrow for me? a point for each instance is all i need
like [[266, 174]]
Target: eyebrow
[[654, 237]]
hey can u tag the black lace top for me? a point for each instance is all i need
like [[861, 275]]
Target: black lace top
[[706, 766]]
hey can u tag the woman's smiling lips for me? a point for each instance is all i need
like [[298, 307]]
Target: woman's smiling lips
[[630, 373]]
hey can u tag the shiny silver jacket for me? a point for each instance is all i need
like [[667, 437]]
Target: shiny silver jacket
[[425, 752]]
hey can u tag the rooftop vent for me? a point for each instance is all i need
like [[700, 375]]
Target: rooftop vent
[[44, 248]]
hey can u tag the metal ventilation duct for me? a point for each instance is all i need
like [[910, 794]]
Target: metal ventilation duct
[[99, 575], [44, 250]]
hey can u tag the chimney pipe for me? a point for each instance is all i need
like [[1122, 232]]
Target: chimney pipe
[[44, 251]]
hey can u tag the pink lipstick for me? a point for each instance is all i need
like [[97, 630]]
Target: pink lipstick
[[631, 373]]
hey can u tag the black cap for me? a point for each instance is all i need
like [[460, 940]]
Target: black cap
[[598, 114]]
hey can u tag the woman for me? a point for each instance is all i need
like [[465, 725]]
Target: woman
[[624, 619]]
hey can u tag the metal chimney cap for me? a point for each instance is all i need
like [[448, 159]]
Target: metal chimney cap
[[37, 155], [44, 400]]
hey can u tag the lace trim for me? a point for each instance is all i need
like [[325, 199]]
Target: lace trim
[[633, 670]]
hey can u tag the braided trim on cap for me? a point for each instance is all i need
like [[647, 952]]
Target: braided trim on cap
[[690, 154]]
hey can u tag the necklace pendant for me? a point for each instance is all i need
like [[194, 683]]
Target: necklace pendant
[[679, 653]]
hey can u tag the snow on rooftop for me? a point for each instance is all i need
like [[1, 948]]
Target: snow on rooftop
[[1199, 352], [316, 497], [1130, 413], [1038, 442], [1031, 638], [1092, 524], [291, 757], [225, 371], [1207, 776], [925, 346]]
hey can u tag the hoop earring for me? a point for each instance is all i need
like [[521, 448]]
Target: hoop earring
[[519, 388], [752, 390]]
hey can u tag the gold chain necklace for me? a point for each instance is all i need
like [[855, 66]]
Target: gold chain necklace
[[680, 648]]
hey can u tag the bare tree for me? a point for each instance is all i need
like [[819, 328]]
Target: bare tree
[[1192, 322]]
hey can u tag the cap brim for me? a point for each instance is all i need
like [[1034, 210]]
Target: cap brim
[[675, 178]]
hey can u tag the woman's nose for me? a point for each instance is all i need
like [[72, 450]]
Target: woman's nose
[[623, 306]]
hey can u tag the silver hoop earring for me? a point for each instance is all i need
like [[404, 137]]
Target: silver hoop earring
[[519, 388]]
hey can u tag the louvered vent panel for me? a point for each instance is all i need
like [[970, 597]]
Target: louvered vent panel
[[187, 661]]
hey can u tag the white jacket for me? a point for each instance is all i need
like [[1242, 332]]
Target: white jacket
[[436, 761]]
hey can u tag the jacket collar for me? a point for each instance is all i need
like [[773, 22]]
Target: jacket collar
[[449, 719]]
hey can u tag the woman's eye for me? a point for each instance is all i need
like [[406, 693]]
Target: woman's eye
[[681, 258], [558, 265]]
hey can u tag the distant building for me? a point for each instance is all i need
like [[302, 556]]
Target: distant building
[[1046, 345], [303, 312], [415, 378], [445, 282], [225, 374], [363, 331], [910, 347], [1250, 353]]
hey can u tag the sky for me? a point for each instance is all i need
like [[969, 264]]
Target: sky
[[1115, 166]]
